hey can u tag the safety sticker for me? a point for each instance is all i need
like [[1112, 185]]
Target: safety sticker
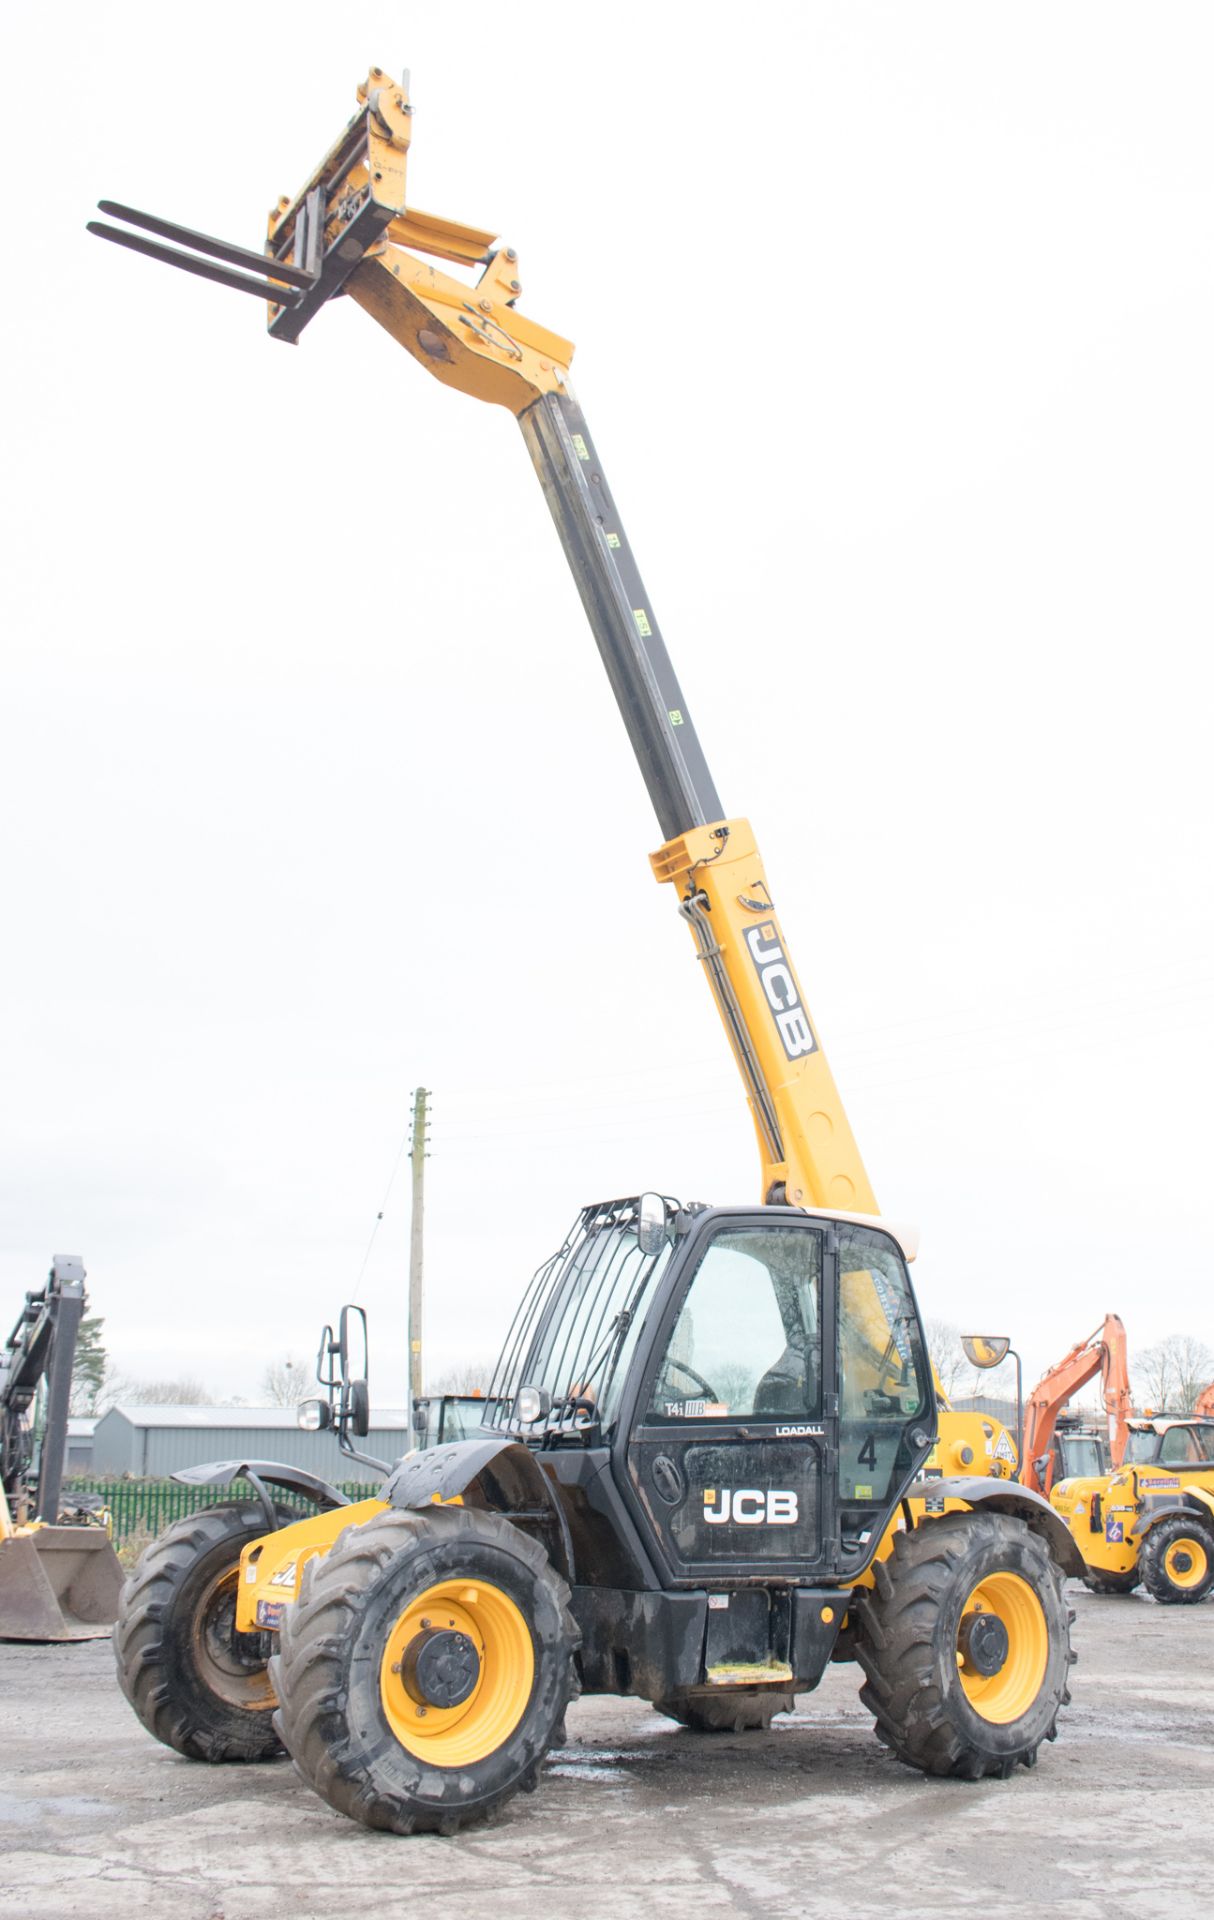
[[613, 539], [675, 717], [1004, 1450], [580, 448], [642, 619]]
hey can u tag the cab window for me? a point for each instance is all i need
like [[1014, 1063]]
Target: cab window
[[748, 1338], [884, 1377], [1179, 1448]]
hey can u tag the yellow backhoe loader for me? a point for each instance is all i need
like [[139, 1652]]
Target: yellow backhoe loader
[[716, 1458], [59, 1575]]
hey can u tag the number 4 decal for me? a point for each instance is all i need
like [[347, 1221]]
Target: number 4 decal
[[867, 1456]]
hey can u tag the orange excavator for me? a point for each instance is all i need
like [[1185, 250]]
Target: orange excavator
[[1103, 1353]]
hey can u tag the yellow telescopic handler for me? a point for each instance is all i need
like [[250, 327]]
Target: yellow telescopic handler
[[715, 1457]]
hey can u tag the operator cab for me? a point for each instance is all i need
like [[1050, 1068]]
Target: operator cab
[[1170, 1443], [758, 1377], [1080, 1452]]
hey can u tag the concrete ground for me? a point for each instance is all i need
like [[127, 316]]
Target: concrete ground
[[636, 1816]]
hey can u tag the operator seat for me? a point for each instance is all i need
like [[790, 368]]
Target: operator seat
[[792, 1385]]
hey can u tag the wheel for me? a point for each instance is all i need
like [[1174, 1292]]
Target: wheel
[[965, 1644], [197, 1684], [727, 1709], [1100, 1581], [425, 1668], [1176, 1561]]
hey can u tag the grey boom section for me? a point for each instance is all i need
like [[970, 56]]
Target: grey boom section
[[638, 666]]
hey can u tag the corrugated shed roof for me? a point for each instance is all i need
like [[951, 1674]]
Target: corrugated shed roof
[[214, 1417]]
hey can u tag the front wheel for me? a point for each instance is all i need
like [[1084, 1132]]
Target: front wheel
[[425, 1668], [965, 1644], [727, 1709], [1177, 1561]]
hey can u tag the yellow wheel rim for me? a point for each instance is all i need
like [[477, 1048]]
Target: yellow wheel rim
[[1003, 1696], [460, 1736], [1186, 1563]]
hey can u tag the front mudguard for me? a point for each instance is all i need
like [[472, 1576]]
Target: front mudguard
[[1005, 1496], [1188, 1509], [497, 1474], [262, 1474]]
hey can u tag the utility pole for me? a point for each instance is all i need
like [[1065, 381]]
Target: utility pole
[[418, 1156]]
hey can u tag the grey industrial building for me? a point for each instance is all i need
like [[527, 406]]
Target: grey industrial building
[[148, 1443]]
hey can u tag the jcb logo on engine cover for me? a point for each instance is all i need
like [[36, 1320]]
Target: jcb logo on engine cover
[[775, 977], [751, 1506]]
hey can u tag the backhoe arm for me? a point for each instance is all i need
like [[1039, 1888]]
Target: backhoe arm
[[1104, 1353], [351, 231]]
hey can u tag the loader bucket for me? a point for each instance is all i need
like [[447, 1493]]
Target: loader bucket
[[58, 1583]]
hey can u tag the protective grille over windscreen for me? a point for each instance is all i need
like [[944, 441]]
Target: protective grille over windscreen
[[574, 1333]]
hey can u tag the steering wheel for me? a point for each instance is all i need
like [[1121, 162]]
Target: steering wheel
[[709, 1392]]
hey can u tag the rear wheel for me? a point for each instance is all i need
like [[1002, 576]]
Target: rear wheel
[[965, 1642], [1177, 1561], [727, 1709], [425, 1668], [1100, 1581], [197, 1684]]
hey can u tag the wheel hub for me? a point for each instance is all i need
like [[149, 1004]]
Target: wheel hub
[[1182, 1560], [440, 1668], [982, 1642]]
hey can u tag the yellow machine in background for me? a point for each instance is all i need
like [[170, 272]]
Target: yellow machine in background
[[717, 1456], [1151, 1521]]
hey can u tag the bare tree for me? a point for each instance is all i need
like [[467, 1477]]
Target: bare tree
[[183, 1392], [1169, 1376], [466, 1376], [944, 1349], [285, 1382]]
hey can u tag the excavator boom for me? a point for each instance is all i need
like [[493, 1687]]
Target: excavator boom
[[1103, 1353]]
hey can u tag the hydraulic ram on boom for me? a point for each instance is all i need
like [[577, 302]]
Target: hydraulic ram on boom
[[351, 231]]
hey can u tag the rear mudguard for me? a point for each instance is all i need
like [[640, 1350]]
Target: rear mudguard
[[1004, 1496]]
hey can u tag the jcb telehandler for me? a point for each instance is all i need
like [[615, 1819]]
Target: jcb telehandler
[[715, 1460], [1150, 1522]]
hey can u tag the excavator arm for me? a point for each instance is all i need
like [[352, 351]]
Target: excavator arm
[[351, 231], [1103, 1353]]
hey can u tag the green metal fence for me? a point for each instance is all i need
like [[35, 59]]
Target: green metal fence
[[149, 1506]]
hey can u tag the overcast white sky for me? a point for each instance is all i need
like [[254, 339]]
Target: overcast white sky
[[894, 329]]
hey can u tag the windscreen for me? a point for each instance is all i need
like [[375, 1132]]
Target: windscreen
[[574, 1334]]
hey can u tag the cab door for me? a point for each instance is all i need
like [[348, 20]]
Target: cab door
[[732, 1451]]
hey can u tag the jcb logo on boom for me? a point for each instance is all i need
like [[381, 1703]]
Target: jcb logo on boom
[[751, 1506], [775, 977]]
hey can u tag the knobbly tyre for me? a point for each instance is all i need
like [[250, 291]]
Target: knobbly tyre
[[716, 1456]]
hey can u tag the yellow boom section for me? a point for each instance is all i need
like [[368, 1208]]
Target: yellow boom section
[[809, 1153]]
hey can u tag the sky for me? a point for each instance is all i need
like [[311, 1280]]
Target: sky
[[893, 329]]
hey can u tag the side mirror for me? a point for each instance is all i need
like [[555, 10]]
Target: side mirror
[[985, 1350], [651, 1223], [359, 1405]]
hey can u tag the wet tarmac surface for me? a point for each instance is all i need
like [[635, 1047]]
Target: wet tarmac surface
[[638, 1817]]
